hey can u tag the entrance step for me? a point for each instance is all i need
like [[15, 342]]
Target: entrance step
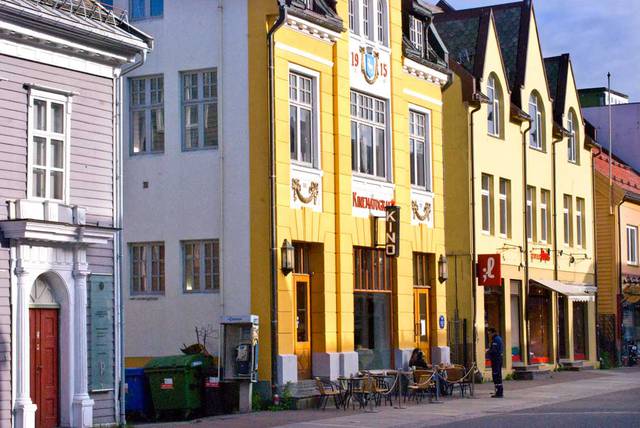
[[575, 365], [531, 372], [304, 393]]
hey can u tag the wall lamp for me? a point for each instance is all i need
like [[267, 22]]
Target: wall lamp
[[287, 252], [443, 268]]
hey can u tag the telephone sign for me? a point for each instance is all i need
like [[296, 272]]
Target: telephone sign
[[488, 270]]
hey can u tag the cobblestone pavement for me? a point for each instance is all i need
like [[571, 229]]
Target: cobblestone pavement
[[521, 396]]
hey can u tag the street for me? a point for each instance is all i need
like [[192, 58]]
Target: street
[[594, 398]]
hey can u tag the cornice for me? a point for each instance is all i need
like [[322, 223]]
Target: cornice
[[311, 29], [423, 72]]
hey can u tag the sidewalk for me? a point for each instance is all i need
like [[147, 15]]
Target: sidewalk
[[562, 387]]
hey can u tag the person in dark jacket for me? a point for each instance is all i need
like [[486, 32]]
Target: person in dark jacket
[[494, 354], [417, 360]]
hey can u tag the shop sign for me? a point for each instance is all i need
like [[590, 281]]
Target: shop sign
[[370, 203], [101, 315], [543, 255], [392, 231], [370, 197], [488, 270]]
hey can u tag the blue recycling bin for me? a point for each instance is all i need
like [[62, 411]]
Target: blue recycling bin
[[137, 396]]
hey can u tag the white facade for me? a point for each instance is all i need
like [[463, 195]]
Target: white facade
[[179, 195]]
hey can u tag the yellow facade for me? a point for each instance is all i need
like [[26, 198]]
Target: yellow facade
[[328, 228], [476, 152]]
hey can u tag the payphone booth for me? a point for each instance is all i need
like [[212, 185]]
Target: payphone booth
[[239, 354]]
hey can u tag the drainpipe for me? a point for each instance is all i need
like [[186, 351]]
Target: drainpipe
[[526, 241], [473, 228], [118, 217], [555, 237], [221, 247], [595, 245], [282, 9]]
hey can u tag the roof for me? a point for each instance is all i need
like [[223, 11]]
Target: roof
[[557, 70], [88, 17], [624, 176], [600, 90], [512, 27]]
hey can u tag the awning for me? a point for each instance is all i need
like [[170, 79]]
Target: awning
[[575, 292]]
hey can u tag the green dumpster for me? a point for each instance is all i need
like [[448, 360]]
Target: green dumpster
[[176, 382]]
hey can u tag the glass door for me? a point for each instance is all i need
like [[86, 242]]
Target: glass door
[[302, 325], [421, 317]]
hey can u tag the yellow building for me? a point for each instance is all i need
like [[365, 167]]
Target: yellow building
[[518, 185], [356, 114]]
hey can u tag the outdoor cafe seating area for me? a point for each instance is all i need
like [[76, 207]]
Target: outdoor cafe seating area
[[369, 389]]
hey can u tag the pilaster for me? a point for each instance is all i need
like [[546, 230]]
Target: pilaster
[[82, 405], [25, 410]]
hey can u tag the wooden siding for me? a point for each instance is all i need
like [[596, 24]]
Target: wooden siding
[[91, 179]]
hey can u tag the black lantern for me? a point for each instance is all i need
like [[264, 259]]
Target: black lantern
[[443, 268], [287, 253]]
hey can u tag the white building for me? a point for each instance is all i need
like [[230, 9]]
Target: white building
[[186, 175]]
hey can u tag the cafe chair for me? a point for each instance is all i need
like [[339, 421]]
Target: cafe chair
[[327, 391]]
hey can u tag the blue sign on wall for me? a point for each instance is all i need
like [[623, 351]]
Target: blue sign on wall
[[441, 321], [101, 350]]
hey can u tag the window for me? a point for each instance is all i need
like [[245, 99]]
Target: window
[[545, 216], [416, 33], [531, 213], [632, 245], [301, 119], [505, 207], [493, 108], [353, 17], [422, 269], [200, 266], [536, 132], [572, 149], [368, 135], [568, 232], [580, 223], [199, 109], [141, 9], [368, 18], [373, 280], [487, 212], [420, 148], [147, 115], [147, 267], [48, 146]]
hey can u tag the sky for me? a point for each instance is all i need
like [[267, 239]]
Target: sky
[[600, 35]]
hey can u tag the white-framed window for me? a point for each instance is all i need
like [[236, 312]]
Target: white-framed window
[[486, 196], [147, 114], [530, 213], [420, 149], [572, 148], [536, 133], [545, 218], [369, 151], [303, 119], [632, 245], [147, 267], [580, 223], [49, 140], [504, 197], [567, 215], [142, 9], [493, 108], [200, 266], [416, 33], [199, 109], [353, 16], [368, 18]]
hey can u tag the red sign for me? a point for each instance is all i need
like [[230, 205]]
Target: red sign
[[543, 255], [370, 203], [488, 270], [167, 383]]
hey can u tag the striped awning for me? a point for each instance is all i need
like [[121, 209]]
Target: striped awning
[[575, 292]]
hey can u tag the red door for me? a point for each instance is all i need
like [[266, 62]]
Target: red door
[[44, 365]]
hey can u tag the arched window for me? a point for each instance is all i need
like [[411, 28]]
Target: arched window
[[368, 18], [536, 134], [380, 22], [572, 145], [494, 112]]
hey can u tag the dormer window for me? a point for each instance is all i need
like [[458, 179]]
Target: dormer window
[[416, 34], [494, 93], [368, 18], [536, 134]]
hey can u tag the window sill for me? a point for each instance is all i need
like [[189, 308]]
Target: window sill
[[157, 152], [306, 168], [495, 136], [541, 150], [142, 297], [576, 163], [421, 191], [199, 149], [201, 291], [362, 39], [146, 18], [373, 179], [485, 233]]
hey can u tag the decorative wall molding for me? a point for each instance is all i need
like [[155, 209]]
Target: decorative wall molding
[[306, 187], [314, 187], [311, 29], [425, 73], [422, 208]]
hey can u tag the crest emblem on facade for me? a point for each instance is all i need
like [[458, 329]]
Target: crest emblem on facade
[[369, 64]]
